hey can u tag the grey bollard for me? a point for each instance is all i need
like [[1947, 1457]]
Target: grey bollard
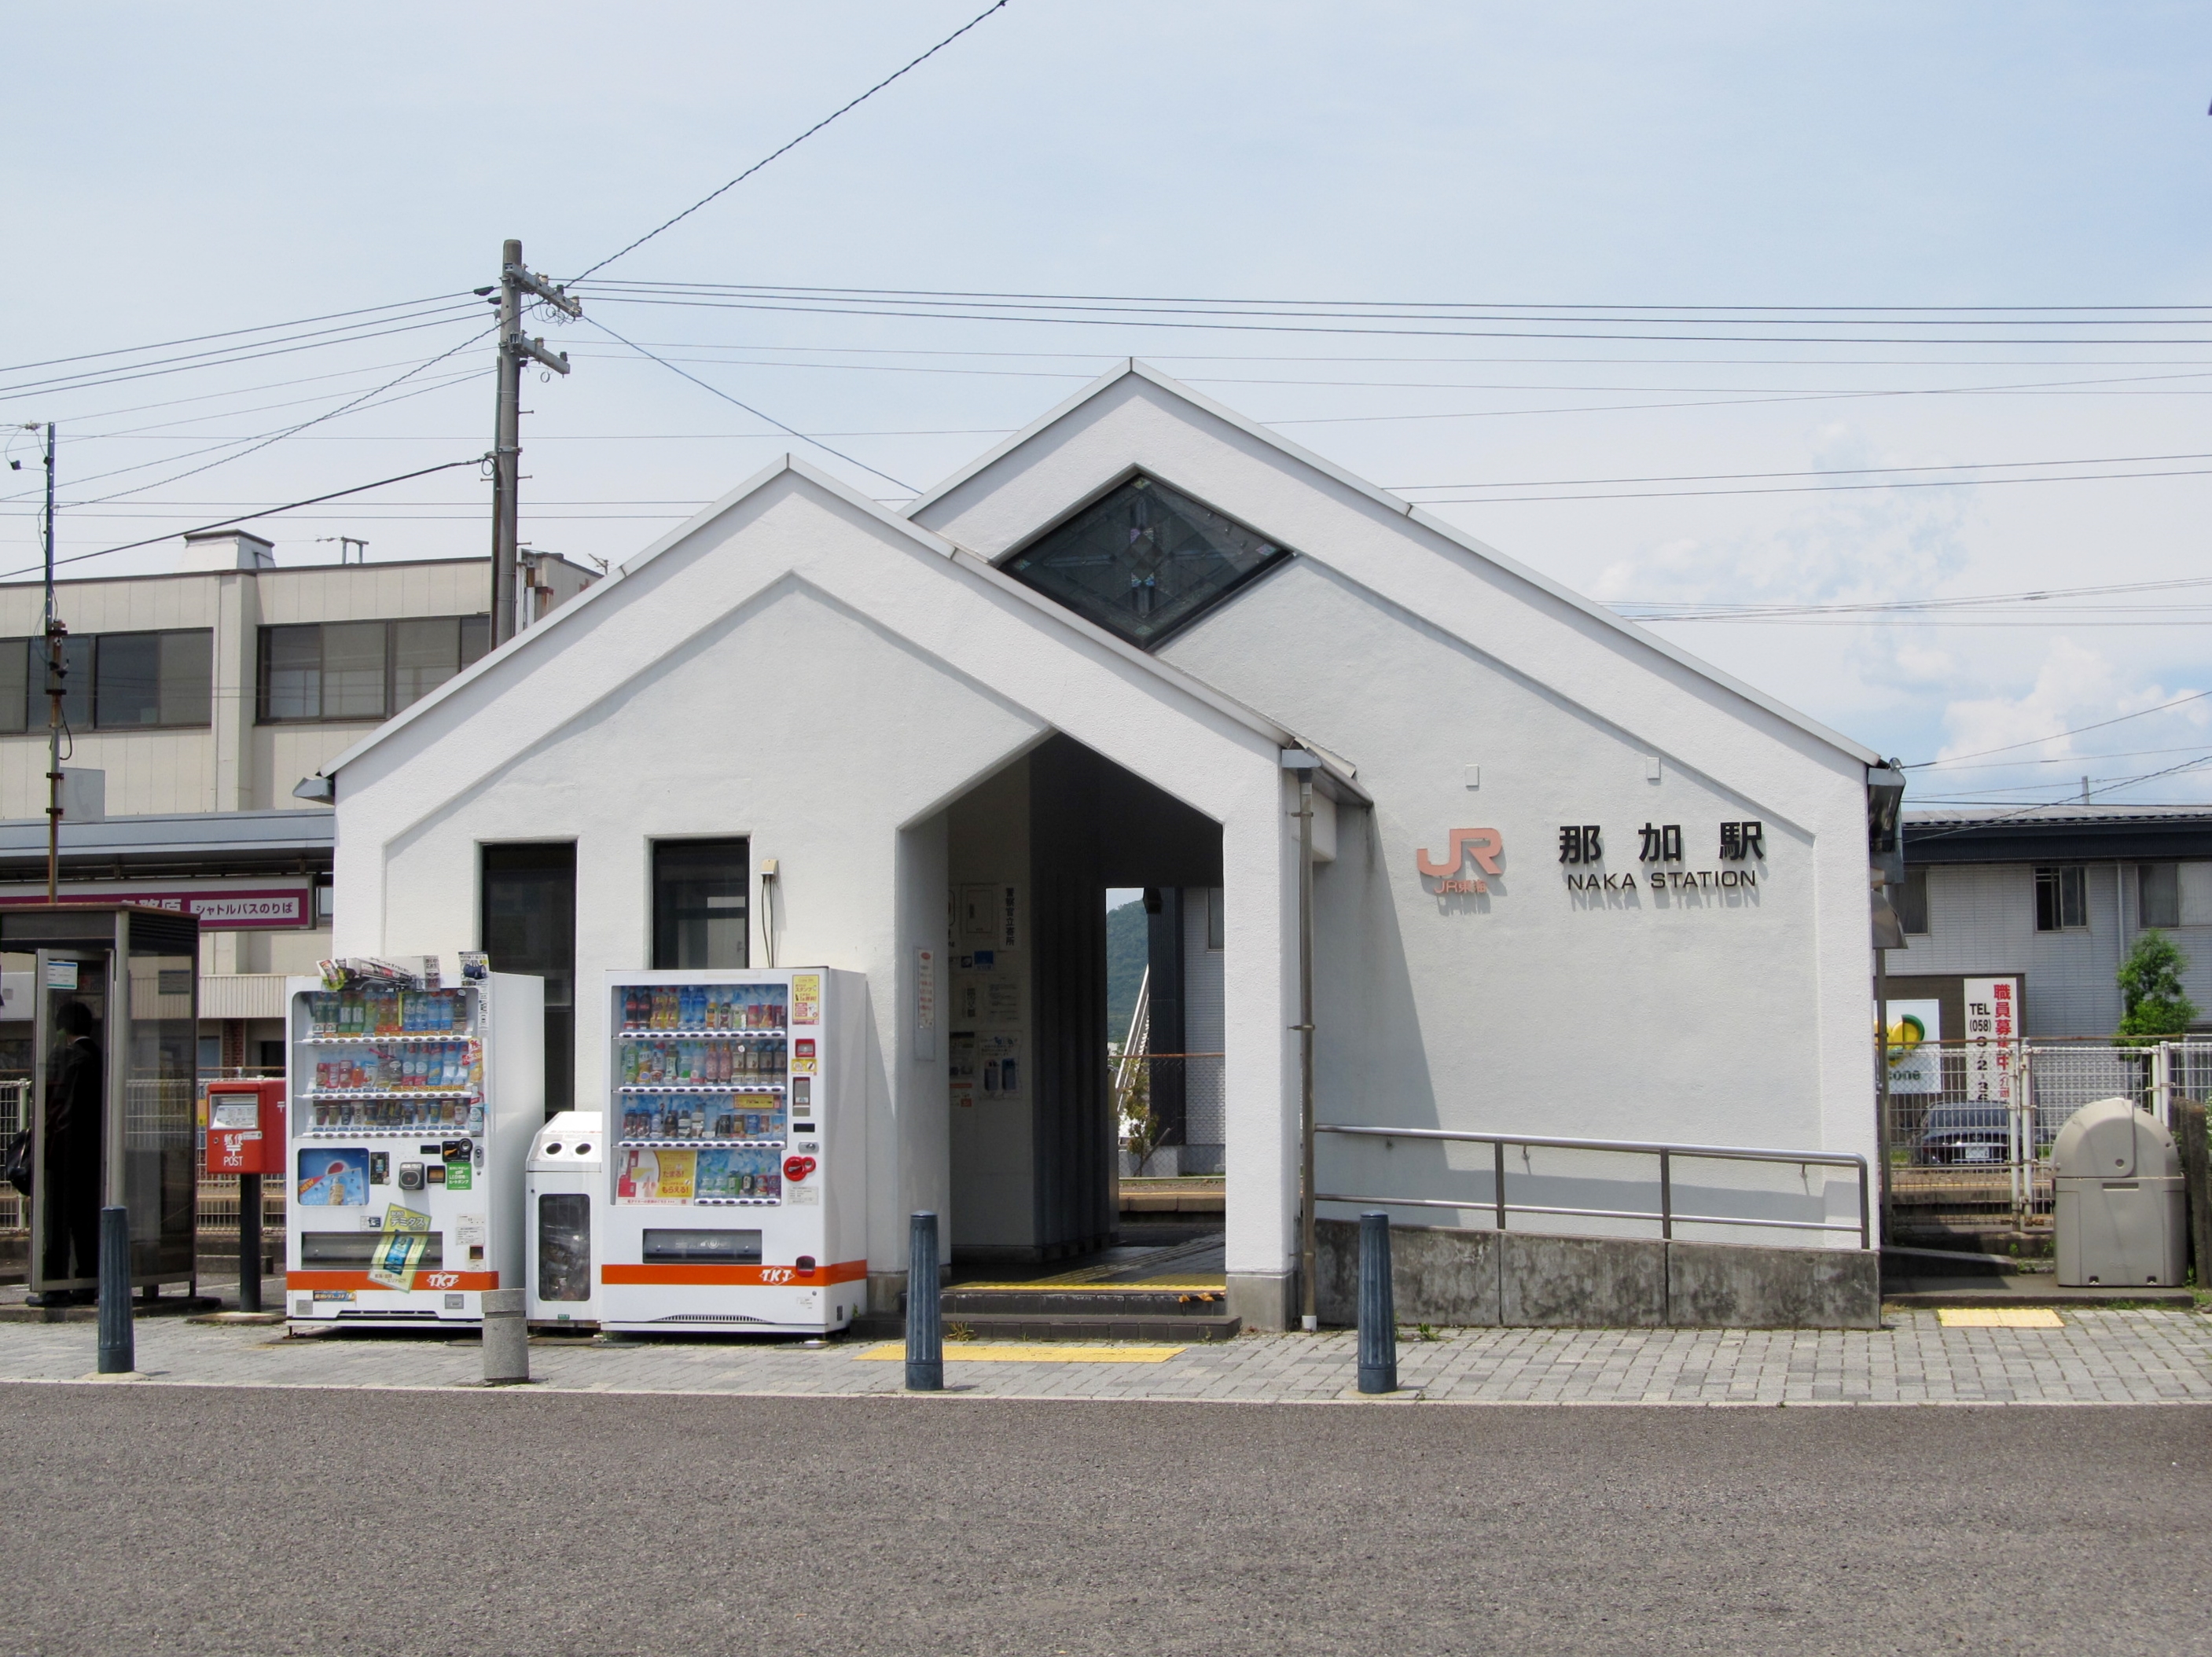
[[1378, 1315], [249, 1242], [925, 1318], [506, 1339], [118, 1353]]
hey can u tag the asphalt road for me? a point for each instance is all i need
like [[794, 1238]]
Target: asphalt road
[[173, 1520]]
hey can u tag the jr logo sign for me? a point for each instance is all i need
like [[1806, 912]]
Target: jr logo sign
[[1485, 846]]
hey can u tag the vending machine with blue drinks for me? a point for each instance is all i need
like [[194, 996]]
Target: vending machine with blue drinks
[[414, 1102], [736, 1195]]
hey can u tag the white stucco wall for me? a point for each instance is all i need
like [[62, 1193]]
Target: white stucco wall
[[1740, 1019], [796, 668]]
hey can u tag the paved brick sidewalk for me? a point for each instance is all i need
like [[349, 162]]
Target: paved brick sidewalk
[[2098, 1356]]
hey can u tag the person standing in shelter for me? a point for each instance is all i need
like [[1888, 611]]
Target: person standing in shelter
[[76, 1092]]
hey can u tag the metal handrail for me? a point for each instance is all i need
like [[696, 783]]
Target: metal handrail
[[1665, 1215]]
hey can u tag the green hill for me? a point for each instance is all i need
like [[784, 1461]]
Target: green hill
[[1124, 966]]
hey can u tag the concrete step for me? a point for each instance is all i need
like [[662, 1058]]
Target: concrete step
[[1065, 1326], [1084, 1300]]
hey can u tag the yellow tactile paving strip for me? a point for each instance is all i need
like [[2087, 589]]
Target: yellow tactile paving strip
[[991, 1351], [1998, 1317]]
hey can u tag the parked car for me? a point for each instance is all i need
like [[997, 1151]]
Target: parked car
[[1978, 1133]]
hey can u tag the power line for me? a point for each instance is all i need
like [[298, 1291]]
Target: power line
[[2044, 805], [220, 443], [2176, 312], [1812, 489], [1825, 472], [64, 384], [248, 517], [715, 195], [2063, 759], [2038, 742], [233, 333], [748, 407], [278, 437], [1701, 610], [1240, 322]]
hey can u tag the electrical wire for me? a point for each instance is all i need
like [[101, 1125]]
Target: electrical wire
[[1628, 311], [715, 195], [63, 385], [244, 517], [1240, 322], [2044, 805], [2056, 736], [748, 407], [278, 437], [1825, 471], [232, 333], [1811, 489]]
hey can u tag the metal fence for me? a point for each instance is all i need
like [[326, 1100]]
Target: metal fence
[[217, 1193], [1967, 1135], [1489, 1200], [1172, 1101]]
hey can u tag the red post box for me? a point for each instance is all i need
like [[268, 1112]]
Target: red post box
[[245, 1126]]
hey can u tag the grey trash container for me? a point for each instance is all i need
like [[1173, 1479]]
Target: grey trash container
[[2121, 1206]]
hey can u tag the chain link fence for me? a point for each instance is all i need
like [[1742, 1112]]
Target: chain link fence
[[1970, 1124]]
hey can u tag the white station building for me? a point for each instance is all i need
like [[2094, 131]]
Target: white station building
[[1567, 880]]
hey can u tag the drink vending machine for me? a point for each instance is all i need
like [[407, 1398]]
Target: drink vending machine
[[736, 1189], [413, 1106]]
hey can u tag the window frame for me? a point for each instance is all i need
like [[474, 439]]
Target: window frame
[[2055, 885], [160, 636], [1007, 562], [473, 629], [669, 921], [1912, 904], [2171, 870], [81, 706]]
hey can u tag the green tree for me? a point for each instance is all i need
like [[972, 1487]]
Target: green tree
[[2155, 1009]]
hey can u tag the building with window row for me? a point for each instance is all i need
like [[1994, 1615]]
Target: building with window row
[[203, 696], [2056, 897]]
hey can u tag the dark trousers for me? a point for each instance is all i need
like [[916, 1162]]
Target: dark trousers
[[72, 1228]]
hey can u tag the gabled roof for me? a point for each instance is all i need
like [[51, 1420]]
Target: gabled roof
[[1404, 508], [1337, 778]]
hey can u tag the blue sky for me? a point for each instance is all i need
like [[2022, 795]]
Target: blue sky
[[178, 171]]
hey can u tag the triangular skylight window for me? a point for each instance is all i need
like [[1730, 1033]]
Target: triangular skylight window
[[1143, 561]]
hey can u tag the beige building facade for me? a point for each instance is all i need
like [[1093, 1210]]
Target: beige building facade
[[202, 697]]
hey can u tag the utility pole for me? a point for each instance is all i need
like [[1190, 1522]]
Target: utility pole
[[55, 633], [514, 281]]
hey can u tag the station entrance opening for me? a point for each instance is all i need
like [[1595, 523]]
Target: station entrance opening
[[1035, 1143]]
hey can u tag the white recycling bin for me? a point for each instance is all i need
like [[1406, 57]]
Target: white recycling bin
[[566, 1182], [2121, 1207]]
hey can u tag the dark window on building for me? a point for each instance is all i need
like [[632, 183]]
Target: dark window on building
[[115, 681], [152, 679], [2158, 894], [1913, 903], [699, 904], [529, 925], [2062, 899], [1143, 561], [16, 685], [363, 670], [1217, 922]]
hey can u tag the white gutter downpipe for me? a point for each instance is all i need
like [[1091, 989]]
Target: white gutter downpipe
[[1297, 760]]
